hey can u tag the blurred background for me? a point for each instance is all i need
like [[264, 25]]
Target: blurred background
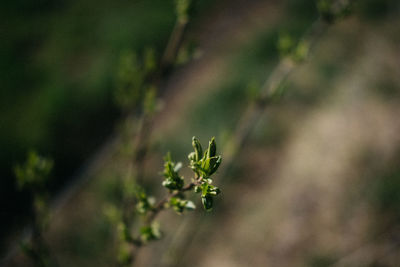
[[317, 183]]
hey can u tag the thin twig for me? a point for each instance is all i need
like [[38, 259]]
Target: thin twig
[[255, 110], [161, 204], [146, 120], [136, 242], [142, 137]]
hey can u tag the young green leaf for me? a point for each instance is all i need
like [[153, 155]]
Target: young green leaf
[[212, 148], [207, 202], [150, 232], [173, 181], [198, 150]]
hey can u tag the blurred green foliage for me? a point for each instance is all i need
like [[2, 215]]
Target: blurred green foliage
[[33, 176], [34, 173], [58, 62], [58, 72]]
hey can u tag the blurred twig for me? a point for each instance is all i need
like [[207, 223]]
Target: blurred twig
[[189, 231], [141, 144], [141, 138], [145, 124]]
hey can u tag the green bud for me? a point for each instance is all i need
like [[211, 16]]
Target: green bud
[[209, 190], [214, 191], [212, 148], [197, 148], [173, 180], [205, 155], [144, 202], [152, 232], [210, 165], [205, 166], [207, 202], [215, 164], [172, 184], [179, 205]]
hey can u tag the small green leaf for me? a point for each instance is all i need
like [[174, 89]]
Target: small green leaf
[[212, 148], [215, 165], [204, 189], [205, 166], [144, 203], [210, 165], [197, 148], [152, 232], [207, 202], [173, 181], [179, 205]]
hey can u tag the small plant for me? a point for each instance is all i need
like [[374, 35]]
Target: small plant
[[33, 176], [204, 165]]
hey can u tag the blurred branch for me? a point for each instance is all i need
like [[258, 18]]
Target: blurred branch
[[189, 230], [137, 242], [145, 126], [167, 61], [141, 138], [146, 121], [275, 81], [174, 43], [33, 176], [203, 166]]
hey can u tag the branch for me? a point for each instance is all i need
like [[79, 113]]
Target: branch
[[253, 115], [146, 120], [161, 205]]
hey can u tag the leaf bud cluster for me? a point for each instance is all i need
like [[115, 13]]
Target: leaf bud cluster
[[173, 181], [205, 165], [34, 173]]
